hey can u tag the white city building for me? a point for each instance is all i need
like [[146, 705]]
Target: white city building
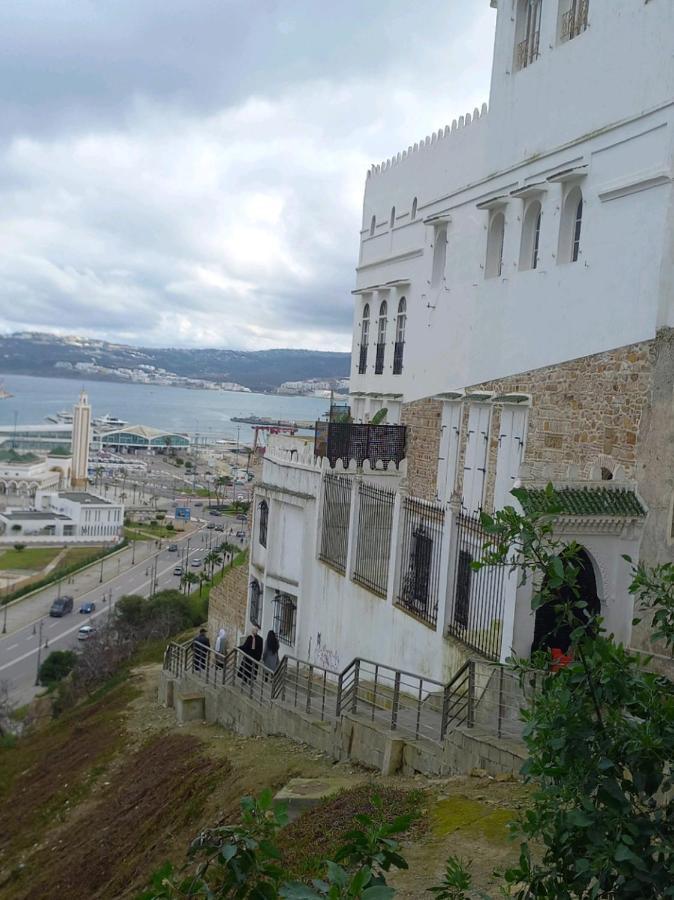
[[514, 315], [64, 517]]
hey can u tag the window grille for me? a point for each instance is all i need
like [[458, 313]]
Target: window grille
[[577, 228], [264, 521], [362, 360], [574, 22], [373, 546], [335, 525], [419, 571], [255, 603], [285, 617], [399, 348], [381, 339], [476, 617], [527, 49], [360, 441], [537, 241], [379, 360], [364, 340]]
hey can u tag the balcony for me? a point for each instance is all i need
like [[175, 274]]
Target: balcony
[[527, 51], [379, 361], [347, 440]]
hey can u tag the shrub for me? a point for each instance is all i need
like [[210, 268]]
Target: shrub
[[56, 667]]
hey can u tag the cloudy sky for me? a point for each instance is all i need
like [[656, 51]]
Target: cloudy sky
[[190, 172]]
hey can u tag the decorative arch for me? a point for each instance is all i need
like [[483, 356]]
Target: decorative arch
[[531, 236], [549, 632]]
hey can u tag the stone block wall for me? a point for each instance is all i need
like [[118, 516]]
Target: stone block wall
[[227, 606], [423, 419]]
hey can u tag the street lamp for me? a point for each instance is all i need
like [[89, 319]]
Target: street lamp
[[39, 649]]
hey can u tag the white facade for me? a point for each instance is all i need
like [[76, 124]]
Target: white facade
[[23, 478], [524, 236], [94, 517]]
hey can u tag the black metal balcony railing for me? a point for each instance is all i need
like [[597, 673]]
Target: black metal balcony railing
[[348, 440], [398, 352], [379, 362], [574, 22], [362, 361]]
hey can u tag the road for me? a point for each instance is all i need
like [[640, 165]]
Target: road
[[19, 648]]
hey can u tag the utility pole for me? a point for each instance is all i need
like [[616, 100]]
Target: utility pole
[[133, 553], [100, 580]]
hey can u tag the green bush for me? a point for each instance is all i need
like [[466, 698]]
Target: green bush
[[56, 667]]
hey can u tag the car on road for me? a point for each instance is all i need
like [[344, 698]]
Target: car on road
[[241, 534], [86, 632], [88, 607], [198, 503], [242, 517], [61, 607], [172, 548], [196, 562], [219, 527], [213, 512], [178, 570]]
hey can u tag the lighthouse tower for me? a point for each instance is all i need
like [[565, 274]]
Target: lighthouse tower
[[81, 439]]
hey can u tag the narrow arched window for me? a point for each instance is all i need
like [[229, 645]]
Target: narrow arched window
[[577, 228], [399, 349], [393, 216], [364, 339], [571, 226], [414, 209], [264, 521], [531, 235], [373, 225], [381, 338], [495, 239], [439, 255]]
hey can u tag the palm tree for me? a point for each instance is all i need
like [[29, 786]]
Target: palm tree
[[188, 579], [210, 561], [203, 579]]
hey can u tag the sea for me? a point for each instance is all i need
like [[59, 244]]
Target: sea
[[203, 412]]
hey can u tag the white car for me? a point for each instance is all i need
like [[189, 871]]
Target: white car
[[86, 632], [196, 562]]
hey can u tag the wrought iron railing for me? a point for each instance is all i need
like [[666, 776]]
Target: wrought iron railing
[[379, 359], [574, 22], [476, 614], [421, 528], [362, 360], [398, 352], [335, 523], [285, 617], [480, 695], [527, 51], [373, 542], [360, 441]]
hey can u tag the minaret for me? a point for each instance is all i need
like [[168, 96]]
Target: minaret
[[81, 438]]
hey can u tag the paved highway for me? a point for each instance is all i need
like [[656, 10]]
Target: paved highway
[[20, 647]]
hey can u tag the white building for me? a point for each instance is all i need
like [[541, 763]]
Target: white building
[[514, 314], [79, 516], [22, 474]]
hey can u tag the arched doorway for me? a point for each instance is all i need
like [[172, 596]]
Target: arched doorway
[[548, 632]]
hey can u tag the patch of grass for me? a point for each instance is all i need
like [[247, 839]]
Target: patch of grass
[[319, 833], [78, 556], [32, 558], [138, 531], [472, 817]]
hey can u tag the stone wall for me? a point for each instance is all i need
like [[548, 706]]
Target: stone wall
[[227, 606], [423, 419]]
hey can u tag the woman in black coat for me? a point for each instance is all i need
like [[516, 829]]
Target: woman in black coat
[[252, 647]]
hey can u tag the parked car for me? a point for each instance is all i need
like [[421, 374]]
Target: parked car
[[196, 562], [241, 534], [173, 548], [214, 512], [86, 632], [219, 527], [178, 570], [88, 607], [61, 607], [242, 517], [198, 503], [210, 525]]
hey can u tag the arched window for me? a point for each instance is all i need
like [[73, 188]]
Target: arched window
[[401, 322], [373, 225], [527, 32], [571, 227], [255, 614], [381, 338], [364, 339], [439, 255], [573, 18], [531, 235], [264, 521], [414, 209], [606, 474], [393, 216], [495, 239]]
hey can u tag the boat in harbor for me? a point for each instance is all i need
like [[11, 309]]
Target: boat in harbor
[[108, 421], [4, 395], [65, 417], [264, 422]]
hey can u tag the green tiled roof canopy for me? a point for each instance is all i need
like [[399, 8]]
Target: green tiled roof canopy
[[586, 501]]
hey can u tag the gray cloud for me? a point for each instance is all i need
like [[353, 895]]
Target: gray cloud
[[192, 172]]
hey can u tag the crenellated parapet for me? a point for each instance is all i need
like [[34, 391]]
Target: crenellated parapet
[[430, 141]]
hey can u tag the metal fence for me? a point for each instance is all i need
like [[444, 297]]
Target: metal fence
[[476, 615], [401, 701], [350, 440], [335, 524], [373, 542], [422, 526], [310, 688]]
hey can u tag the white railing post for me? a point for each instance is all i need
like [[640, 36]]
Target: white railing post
[[452, 513], [510, 584], [394, 552]]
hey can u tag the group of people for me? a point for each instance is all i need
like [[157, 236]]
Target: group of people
[[253, 647]]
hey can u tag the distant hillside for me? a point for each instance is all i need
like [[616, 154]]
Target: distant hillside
[[46, 354]]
